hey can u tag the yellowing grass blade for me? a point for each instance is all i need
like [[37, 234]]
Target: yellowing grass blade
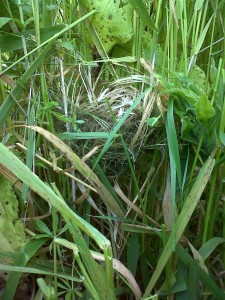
[[21, 171], [83, 169]]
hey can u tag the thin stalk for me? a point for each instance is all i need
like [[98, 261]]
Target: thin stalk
[[21, 12], [2, 87], [168, 268], [109, 268], [216, 201], [210, 206], [87, 281], [184, 35], [54, 226], [202, 135], [210, 50], [215, 87], [166, 50]]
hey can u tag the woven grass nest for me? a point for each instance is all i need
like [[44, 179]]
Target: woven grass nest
[[103, 112]]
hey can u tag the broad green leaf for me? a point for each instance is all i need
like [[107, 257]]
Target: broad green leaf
[[204, 109], [200, 82], [133, 252], [187, 130], [112, 22], [193, 281], [210, 246], [67, 45], [178, 285], [43, 227], [152, 121], [3, 21], [12, 231]]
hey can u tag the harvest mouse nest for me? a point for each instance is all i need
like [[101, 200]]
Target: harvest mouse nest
[[109, 109]]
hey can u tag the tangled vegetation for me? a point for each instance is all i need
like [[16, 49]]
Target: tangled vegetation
[[112, 119]]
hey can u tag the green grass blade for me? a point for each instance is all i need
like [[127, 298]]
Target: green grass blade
[[25, 254], [206, 249], [141, 10], [83, 135], [98, 283], [11, 162], [183, 219], [172, 142], [193, 282], [38, 271], [203, 276], [12, 42]]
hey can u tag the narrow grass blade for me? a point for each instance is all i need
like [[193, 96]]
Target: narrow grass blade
[[83, 135], [202, 36], [203, 276], [183, 219], [206, 249], [11, 162], [36, 270], [193, 281], [172, 141], [141, 10], [11, 42], [25, 254]]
